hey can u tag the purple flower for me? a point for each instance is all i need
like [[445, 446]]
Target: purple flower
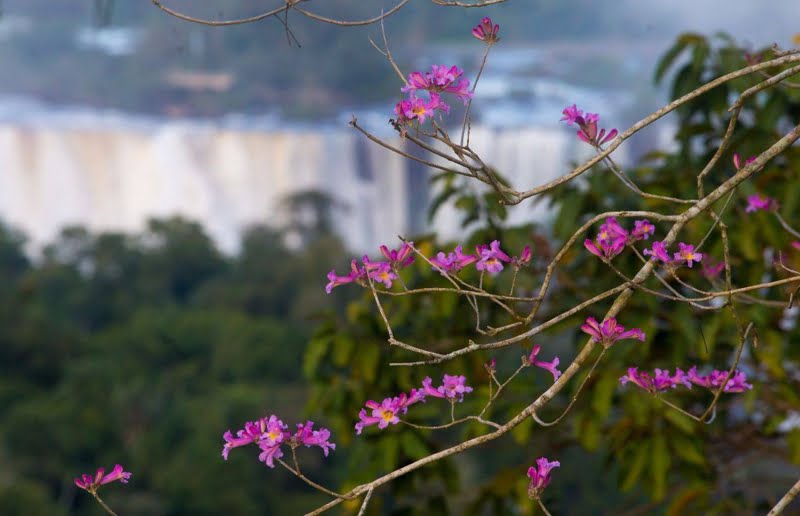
[[356, 273], [550, 366], [491, 258], [587, 126], [572, 115], [713, 380], [658, 252], [610, 332], [659, 382], [452, 262], [758, 202], [712, 270], [386, 413], [269, 452], [687, 254], [738, 163], [530, 360], [452, 388], [540, 476], [605, 249], [611, 231], [269, 434], [486, 31], [307, 436], [642, 229], [400, 258], [642, 380], [796, 245], [524, 258], [491, 366], [381, 272], [250, 434], [440, 79], [90, 483]]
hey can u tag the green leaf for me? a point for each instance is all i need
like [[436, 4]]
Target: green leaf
[[659, 466], [672, 54]]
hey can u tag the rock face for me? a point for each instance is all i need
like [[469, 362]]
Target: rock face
[[115, 178]]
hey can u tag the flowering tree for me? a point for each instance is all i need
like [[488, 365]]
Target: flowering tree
[[689, 266]]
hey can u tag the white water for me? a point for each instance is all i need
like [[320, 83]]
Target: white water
[[117, 177]]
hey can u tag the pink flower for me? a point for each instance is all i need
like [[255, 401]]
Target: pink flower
[[381, 272], [605, 249], [587, 126], [90, 483], [269, 434], [550, 366], [642, 229], [452, 388], [738, 163], [452, 262], [491, 366], [540, 476], [658, 252], [386, 413], [491, 258], [758, 202], [269, 452], [572, 114], [440, 79], [611, 230], [307, 436], [659, 382], [400, 258], [610, 332], [687, 254], [530, 360], [737, 382], [796, 245], [486, 31], [356, 273], [712, 270], [524, 258]]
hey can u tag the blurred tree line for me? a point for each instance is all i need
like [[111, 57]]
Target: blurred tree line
[[142, 349]]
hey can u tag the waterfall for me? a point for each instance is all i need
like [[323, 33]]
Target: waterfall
[[116, 178]]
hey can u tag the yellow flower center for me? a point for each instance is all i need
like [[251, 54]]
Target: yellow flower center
[[387, 415]]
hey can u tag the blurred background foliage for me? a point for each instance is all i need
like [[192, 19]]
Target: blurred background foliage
[[143, 349]]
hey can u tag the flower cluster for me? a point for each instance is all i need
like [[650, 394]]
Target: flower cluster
[[388, 411], [587, 126], [540, 476], [687, 255], [384, 272], [432, 85], [487, 31], [270, 433], [91, 483], [530, 360], [488, 258], [609, 332], [712, 269], [662, 380], [613, 237]]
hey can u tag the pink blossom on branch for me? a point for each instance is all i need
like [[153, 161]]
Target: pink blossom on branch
[[491, 258], [524, 258], [486, 31], [540, 476], [453, 261], [400, 258], [758, 202], [609, 332], [91, 483], [737, 161], [642, 229], [270, 433], [658, 252], [552, 367], [687, 254], [587, 126]]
